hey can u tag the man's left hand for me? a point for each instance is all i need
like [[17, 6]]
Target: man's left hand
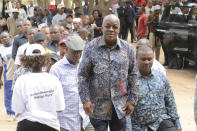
[[129, 108]]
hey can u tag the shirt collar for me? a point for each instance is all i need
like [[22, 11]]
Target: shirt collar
[[152, 74], [102, 42], [65, 61]]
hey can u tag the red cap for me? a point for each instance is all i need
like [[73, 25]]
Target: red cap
[[52, 7], [63, 41]]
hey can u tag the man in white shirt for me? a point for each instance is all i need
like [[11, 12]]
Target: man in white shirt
[[60, 14], [21, 49], [73, 118], [30, 9], [7, 64]]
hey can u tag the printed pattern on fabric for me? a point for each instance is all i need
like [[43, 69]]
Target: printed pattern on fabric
[[108, 76], [155, 103]]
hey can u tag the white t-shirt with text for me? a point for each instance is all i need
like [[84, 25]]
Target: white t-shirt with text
[[37, 97]]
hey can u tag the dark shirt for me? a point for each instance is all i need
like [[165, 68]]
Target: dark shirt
[[130, 15], [36, 20], [85, 10], [18, 41], [52, 46], [49, 19], [121, 13], [99, 23]]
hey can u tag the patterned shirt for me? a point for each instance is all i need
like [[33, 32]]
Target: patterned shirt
[[108, 77], [155, 103], [70, 117]]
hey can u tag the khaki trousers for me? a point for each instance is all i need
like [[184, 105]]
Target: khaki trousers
[[155, 44]]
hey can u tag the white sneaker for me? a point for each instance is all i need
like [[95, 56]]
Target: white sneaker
[[11, 118]]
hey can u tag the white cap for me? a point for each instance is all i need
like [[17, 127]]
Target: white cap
[[31, 48], [76, 20], [59, 6], [156, 7]]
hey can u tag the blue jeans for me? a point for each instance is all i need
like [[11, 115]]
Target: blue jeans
[[8, 95]]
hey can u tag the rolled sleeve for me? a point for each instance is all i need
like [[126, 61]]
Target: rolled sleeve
[[83, 76]]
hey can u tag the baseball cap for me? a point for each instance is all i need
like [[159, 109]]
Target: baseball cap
[[52, 7], [55, 57], [63, 41], [35, 50], [76, 20], [157, 7], [59, 6], [39, 36], [75, 42]]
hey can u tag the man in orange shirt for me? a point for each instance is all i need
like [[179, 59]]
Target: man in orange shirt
[[142, 27]]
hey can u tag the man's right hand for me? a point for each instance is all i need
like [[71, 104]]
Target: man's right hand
[[1, 83], [88, 108]]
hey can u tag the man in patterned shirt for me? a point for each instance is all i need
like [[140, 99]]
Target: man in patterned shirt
[[156, 108], [108, 78]]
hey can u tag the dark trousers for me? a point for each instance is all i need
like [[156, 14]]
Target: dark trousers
[[129, 26], [123, 27], [27, 125], [115, 124], [166, 125]]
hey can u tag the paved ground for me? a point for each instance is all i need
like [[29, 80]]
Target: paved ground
[[183, 85]]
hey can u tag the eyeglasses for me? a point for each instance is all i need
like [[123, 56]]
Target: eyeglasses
[[113, 27]]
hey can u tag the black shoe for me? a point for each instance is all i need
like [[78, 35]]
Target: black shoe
[[165, 64]]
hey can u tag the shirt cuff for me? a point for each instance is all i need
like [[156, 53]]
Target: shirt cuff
[[132, 101], [85, 100], [177, 124]]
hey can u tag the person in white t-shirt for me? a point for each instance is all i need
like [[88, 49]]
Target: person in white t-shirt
[[7, 64], [60, 14], [21, 49], [37, 96]]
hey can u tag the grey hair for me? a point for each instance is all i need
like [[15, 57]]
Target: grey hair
[[143, 42], [111, 16], [143, 48]]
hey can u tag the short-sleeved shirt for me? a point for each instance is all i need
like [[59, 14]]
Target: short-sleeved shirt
[[21, 51], [6, 61], [37, 97]]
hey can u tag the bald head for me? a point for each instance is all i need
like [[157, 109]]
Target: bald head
[[111, 17], [142, 42], [111, 28]]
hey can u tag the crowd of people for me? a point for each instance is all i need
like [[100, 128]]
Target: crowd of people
[[72, 70]]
